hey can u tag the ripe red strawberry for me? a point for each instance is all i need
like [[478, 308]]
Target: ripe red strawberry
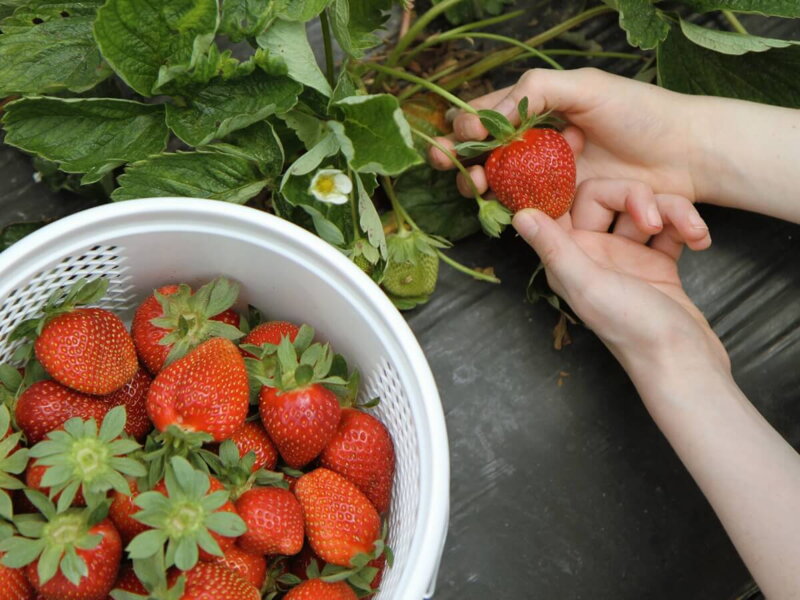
[[251, 567], [206, 391], [252, 437], [362, 451], [102, 561], [340, 520], [133, 396], [536, 171], [47, 405], [300, 563], [271, 332], [121, 514], [274, 521], [14, 584], [316, 589], [210, 581], [168, 305]]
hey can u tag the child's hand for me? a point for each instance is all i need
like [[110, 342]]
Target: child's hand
[[625, 284], [618, 127]]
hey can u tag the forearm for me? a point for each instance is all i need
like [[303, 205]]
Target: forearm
[[747, 156], [748, 472]]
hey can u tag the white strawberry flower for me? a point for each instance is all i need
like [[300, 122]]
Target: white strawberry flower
[[331, 186]]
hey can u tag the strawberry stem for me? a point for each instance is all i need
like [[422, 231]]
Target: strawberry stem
[[459, 165], [426, 84], [506, 40]]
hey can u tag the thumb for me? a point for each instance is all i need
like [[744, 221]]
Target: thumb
[[565, 262]]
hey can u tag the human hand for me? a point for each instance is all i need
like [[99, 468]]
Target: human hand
[[618, 127], [625, 284]]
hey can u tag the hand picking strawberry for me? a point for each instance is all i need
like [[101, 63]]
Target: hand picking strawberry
[[116, 509]]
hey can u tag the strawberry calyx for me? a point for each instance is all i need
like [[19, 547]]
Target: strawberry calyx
[[236, 473], [153, 576], [161, 446], [187, 316], [264, 366], [278, 579], [13, 461], [359, 574], [82, 457], [53, 537], [63, 300], [184, 518]]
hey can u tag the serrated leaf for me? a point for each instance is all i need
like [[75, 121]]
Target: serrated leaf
[[225, 106], [201, 174], [368, 218], [85, 135], [496, 124], [289, 41], [354, 23], [643, 22], [729, 42], [303, 10], [43, 51], [380, 134], [325, 228], [141, 39], [767, 77], [242, 19], [258, 143], [775, 8]]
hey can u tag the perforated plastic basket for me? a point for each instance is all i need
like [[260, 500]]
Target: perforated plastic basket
[[287, 273]]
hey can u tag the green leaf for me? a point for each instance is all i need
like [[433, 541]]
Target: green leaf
[[775, 8], [326, 229], [186, 554], [496, 124], [308, 128], [369, 220], [380, 134], [146, 544], [85, 135], [142, 40], [288, 40], [14, 232], [42, 51], [225, 106], [303, 10], [729, 42], [258, 143], [644, 23], [432, 200], [201, 174], [354, 23], [11, 378], [242, 19], [768, 77], [20, 551], [327, 146], [113, 424], [6, 508], [226, 523]]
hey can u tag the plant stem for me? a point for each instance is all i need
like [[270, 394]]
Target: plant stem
[[399, 215], [500, 58], [734, 21], [436, 37], [466, 270], [595, 54], [326, 41], [507, 40], [353, 209], [413, 89], [426, 84], [459, 165], [413, 31]]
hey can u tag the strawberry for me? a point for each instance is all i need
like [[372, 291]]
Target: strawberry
[[191, 511], [133, 396], [340, 520], [46, 405], [252, 437], [205, 391], [121, 512], [307, 565], [174, 320], [210, 581], [274, 521], [299, 413], [535, 170], [271, 332], [300, 563], [251, 567], [14, 584], [88, 459], [86, 349], [33, 479], [413, 267], [362, 451], [316, 589], [71, 556]]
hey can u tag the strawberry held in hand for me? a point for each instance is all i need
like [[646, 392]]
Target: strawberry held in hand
[[85, 349]]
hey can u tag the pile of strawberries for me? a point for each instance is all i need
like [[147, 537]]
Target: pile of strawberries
[[201, 456]]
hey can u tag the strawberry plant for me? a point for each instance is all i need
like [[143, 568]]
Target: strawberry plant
[[224, 99]]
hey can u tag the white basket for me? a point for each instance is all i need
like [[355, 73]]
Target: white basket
[[289, 274]]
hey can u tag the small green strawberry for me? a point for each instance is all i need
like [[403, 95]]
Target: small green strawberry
[[413, 265]]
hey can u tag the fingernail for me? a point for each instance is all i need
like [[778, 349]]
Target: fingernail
[[525, 223], [697, 222], [653, 218], [506, 107]]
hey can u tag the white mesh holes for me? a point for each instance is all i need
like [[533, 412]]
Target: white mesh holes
[[95, 261], [394, 412]]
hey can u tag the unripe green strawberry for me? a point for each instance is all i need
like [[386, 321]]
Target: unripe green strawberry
[[406, 279], [362, 263]]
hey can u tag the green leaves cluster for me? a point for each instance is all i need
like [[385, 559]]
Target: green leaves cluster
[[700, 60]]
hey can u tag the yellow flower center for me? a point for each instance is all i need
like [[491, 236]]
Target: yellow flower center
[[325, 184]]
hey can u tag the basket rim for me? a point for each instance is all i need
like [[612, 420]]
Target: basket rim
[[428, 539]]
